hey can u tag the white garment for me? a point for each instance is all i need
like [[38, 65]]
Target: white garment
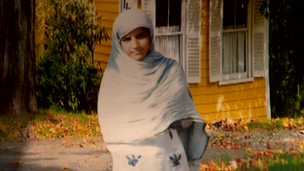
[[139, 100], [159, 153]]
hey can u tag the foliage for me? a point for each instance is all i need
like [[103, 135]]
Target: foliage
[[286, 56], [257, 162], [66, 75], [49, 124]]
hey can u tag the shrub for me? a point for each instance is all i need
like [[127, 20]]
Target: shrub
[[66, 75]]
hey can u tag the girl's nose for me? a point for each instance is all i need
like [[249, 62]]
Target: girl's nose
[[135, 43]]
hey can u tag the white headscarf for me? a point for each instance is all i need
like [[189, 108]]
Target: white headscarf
[[139, 99]]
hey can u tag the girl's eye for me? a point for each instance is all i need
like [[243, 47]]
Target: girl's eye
[[126, 39]]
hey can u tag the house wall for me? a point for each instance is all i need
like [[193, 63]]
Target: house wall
[[109, 10], [214, 102], [246, 100]]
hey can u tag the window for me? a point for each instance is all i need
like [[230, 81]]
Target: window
[[128, 4], [177, 25], [238, 40], [235, 41], [168, 34]]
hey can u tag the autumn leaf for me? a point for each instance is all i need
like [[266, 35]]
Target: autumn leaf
[[65, 166], [233, 164], [3, 128], [260, 164], [239, 162], [292, 149], [285, 123], [279, 151], [269, 147], [301, 143], [83, 143], [253, 163], [246, 129], [258, 154]]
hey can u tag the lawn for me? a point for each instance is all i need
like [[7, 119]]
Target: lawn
[[62, 124]]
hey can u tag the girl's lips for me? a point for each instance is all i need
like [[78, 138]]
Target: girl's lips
[[136, 52]]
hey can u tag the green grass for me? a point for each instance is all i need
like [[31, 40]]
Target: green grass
[[288, 162], [262, 125]]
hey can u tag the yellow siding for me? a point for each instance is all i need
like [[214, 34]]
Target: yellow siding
[[109, 10], [246, 100], [214, 102]]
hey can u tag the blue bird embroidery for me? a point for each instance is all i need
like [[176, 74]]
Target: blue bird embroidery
[[133, 160], [175, 159]]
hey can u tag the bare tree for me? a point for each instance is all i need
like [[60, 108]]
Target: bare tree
[[17, 57]]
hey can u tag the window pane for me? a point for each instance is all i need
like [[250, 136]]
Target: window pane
[[169, 46], [175, 12], [234, 52], [162, 13], [235, 14], [241, 47], [241, 13], [229, 13]]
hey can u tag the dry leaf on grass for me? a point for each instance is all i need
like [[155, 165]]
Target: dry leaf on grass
[[233, 164], [246, 129]]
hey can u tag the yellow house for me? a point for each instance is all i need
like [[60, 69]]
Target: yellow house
[[221, 44]]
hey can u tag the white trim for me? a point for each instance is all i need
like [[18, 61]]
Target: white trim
[[183, 39], [267, 71], [168, 34], [234, 76], [135, 5], [235, 30], [228, 82]]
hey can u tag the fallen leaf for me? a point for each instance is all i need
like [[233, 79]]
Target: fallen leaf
[[279, 151], [67, 143], [269, 147], [301, 144], [239, 162], [292, 149], [233, 164], [52, 130], [204, 167], [3, 128], [65, 166], [258, 154], [246, 129], [253, 163], [285, 123], [260, 164]]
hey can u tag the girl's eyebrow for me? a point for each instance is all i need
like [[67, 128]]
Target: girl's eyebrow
[[143, 32]]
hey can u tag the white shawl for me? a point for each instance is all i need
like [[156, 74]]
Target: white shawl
[[139, 99]]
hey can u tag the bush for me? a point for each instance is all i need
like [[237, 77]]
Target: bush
[[66, 75]]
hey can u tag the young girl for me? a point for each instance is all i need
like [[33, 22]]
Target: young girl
[[145, 109]]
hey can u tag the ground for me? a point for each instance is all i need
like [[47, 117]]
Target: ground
[[90, 153]]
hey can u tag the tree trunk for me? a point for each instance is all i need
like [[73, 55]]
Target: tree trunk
[[17, 57]]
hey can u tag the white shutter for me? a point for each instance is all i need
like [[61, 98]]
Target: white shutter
[[149, 7], [193, 41], [215, 40], [259, 41]]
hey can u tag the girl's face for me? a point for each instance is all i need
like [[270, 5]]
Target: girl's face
[[136, 43]]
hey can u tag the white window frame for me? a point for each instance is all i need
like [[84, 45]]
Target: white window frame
[[132, 4], [240, 77], [190, 44], [257, 44], [182, 58]]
